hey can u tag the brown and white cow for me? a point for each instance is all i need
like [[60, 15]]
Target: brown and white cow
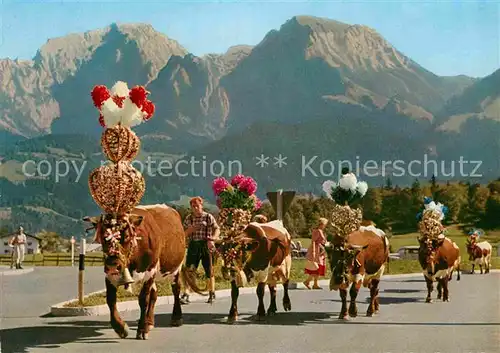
[[268, 260], [480, 254], [359, 261], [438, 258], [149, 241]]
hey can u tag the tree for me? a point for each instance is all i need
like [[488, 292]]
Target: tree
[[52, 242], [455, 198]]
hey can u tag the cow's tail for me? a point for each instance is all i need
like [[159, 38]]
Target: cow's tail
[[188, 278]]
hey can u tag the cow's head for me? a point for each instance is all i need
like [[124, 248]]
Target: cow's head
[[427, 253], [236, 252], [118, 236], [345, 259]]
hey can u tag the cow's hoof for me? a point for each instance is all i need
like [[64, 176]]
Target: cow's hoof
[[369, 314], [428, 300], [176, 322], [141, 335], [123, 333], [271, 312], [287, 306], [232, 319], [344, 317], [439, 296]]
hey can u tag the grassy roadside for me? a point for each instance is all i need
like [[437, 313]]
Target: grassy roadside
[[297, 275]]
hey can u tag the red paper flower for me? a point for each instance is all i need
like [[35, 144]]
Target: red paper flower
[[149, 108], [101, 120], [138, 96], [99, 94]]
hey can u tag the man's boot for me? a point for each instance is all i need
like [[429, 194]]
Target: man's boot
[[211, 294], [185, 299]]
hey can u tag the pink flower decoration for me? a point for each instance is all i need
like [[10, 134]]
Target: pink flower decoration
[[248, 185], [237, 179], [258, 204], [219, 185]]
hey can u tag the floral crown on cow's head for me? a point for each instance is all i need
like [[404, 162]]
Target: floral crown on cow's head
[[345, 219], [347, 190], [118, 187], [430, 218]]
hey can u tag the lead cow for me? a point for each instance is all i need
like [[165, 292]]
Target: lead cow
[[360, 261], [269, 262], [146, 243]]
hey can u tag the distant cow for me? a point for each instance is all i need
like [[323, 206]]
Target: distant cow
[[438, 258], [480, 254], [270, 262], [147, 242], [361, 260]]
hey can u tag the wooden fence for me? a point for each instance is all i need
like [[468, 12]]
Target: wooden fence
[[53, 260]]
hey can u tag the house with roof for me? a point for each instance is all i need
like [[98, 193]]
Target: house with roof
[[32, 244]]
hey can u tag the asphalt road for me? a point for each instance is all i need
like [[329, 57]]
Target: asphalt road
[[31, 295], [469, 323]]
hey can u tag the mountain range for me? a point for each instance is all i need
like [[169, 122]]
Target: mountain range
[[315, 87]]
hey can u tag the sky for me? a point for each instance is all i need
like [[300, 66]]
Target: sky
[[445, 37]]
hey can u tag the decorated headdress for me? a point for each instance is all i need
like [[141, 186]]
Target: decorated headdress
[[118, 187], [236, 201], [476, 232], [345, 219], [430, 218]]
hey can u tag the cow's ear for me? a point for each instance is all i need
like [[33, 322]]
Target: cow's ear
[[135, 220], [93, 220]]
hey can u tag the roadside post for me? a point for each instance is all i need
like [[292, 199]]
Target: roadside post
[[73, 241], [81, 269], [281, 201]]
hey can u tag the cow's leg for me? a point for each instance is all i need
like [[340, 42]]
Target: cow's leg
[[261, 311], [458, 272], [272, 304], [440, 289], [287, 303], [176, 318], [144, 297], [373, 307], [353, 292], [233, 312], [150, 314], [481, 268], [446, 297], [343, 310], [120, 327], [487, 265], [472, 271], [430, 288]]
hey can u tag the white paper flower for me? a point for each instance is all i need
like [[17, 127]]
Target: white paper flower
[[130, 114], [120, 89], [328, 186], [348, 181], [362, 188]]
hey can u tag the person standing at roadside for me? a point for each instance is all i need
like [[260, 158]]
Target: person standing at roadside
[[19, 243], [201, 231]]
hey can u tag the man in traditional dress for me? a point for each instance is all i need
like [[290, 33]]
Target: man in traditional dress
[[19, 243], [201, 231]]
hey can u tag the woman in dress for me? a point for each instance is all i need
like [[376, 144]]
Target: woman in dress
[[316, 255]]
